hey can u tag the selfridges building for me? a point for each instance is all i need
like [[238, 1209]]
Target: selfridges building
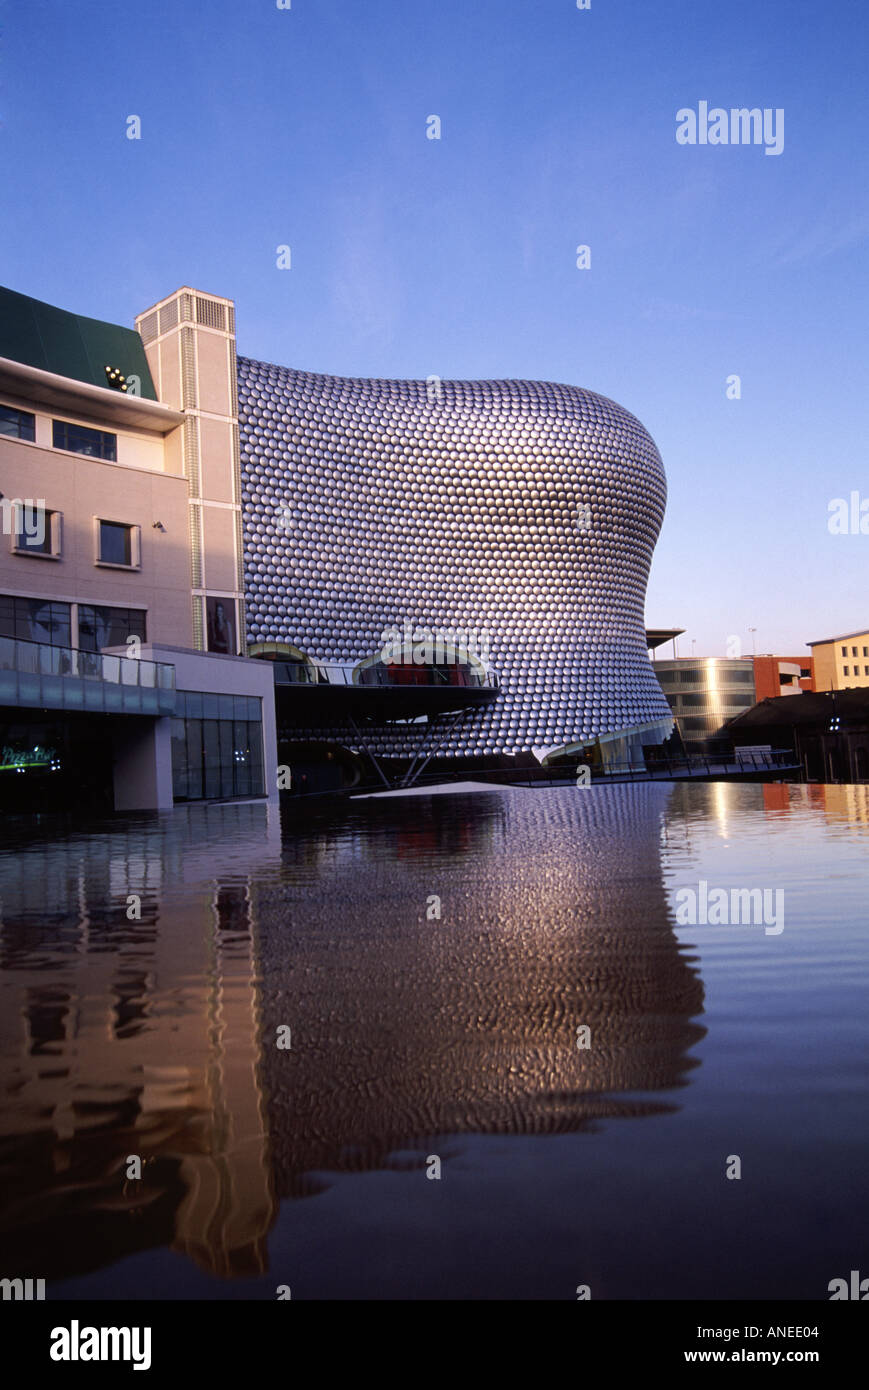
[[520, 514]]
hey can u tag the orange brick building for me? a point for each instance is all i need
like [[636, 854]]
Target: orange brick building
[[782, 675]]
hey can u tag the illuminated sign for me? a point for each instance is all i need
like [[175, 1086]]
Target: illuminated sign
[[30, 759]]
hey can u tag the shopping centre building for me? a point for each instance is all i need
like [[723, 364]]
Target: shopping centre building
[[432, 569]]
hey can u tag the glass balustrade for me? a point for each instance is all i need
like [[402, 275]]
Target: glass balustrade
[[34, 673]]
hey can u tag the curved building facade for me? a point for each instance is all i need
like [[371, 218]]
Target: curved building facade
[[520, 514]]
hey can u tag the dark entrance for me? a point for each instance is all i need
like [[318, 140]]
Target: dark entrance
[[54, 764]]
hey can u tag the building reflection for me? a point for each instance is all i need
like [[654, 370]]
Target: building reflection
[[157, 1035], [842, 801], [406, 1028], [835, 801], [134, 1035]]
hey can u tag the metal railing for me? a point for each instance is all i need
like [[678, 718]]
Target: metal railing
[[709, 763], [384, 675], [664, 767], [39, 659]]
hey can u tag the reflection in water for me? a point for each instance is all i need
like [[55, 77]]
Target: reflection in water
[[724, 803], [145, 970], [129, 1026], [406, 1028]]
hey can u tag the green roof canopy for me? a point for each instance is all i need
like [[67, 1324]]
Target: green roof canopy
[[57, 341]]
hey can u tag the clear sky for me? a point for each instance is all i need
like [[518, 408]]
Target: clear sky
[[410, 256]]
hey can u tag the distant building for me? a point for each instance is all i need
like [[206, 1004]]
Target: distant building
[[782, 675], [841, 663], [828, 731], [704, 693]]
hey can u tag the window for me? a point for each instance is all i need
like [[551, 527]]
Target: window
[[866, 651], [846, 670], [17, 424], [78, 439], [35, 620], [866, 670], [117, 544], [37, 531], [853, 651], [844, 651], [213, 753], [108, 627]]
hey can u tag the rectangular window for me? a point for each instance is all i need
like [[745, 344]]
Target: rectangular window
[[227, 756], [37, 532], [210, 758], [844, 651], [853, 651], [79, 439], [866, 670], [17, 424], [866, 651], [117, 544], [846, 670], [108, 627], [180, 762], [241, 756], [35, 620], [255, 745], [216, 757], [195, 759]]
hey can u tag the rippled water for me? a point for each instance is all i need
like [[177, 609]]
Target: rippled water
[[435, 960]]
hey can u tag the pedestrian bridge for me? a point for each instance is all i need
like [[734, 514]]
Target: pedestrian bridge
[[311, 692]]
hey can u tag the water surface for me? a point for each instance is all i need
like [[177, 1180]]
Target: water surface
[[437, 966]]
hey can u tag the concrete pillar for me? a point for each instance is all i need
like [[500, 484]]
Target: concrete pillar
[[142, 751]]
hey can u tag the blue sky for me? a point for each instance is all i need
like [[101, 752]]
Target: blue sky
[[411, 256]]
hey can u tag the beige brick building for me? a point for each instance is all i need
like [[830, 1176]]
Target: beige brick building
[[841, 663], [121, 562]]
